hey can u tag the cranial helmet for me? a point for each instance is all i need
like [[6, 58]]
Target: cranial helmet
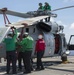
[[40, 36], [46, 3], [40, 3], [26, 33]]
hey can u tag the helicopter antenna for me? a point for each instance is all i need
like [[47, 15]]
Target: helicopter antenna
[[62, 8]]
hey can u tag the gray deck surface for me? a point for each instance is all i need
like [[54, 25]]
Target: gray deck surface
[[53, 66]]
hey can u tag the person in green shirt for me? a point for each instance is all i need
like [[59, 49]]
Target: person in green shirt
[[27, 45], [40, 7], [40, 10], [10, 42], [47, 8]]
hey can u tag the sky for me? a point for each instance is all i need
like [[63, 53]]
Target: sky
[[65, 17]]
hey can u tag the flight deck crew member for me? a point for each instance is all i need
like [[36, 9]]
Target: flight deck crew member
[[40, 10], [40, 7], [47, 8], [10, 42], [20, 55], [27, 44], [40, 48]]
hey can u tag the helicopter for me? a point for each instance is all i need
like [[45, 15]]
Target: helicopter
[[54, 37]]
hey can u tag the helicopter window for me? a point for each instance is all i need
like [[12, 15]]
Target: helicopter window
[[34, 30], [72, 41], [27, 29]]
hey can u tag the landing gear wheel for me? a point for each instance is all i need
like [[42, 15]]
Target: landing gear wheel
[[64, 58]]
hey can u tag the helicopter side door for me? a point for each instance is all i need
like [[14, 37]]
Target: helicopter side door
[[57, 43], [71, 43]]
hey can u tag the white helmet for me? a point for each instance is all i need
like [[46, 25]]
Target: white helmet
[[40, 36], [26, 33]]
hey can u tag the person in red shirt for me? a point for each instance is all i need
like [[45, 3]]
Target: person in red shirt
[[39, 49]]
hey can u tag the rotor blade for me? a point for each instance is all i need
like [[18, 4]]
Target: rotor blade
[[28, 22], [18, 14], [62, 8], [27, 15]]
